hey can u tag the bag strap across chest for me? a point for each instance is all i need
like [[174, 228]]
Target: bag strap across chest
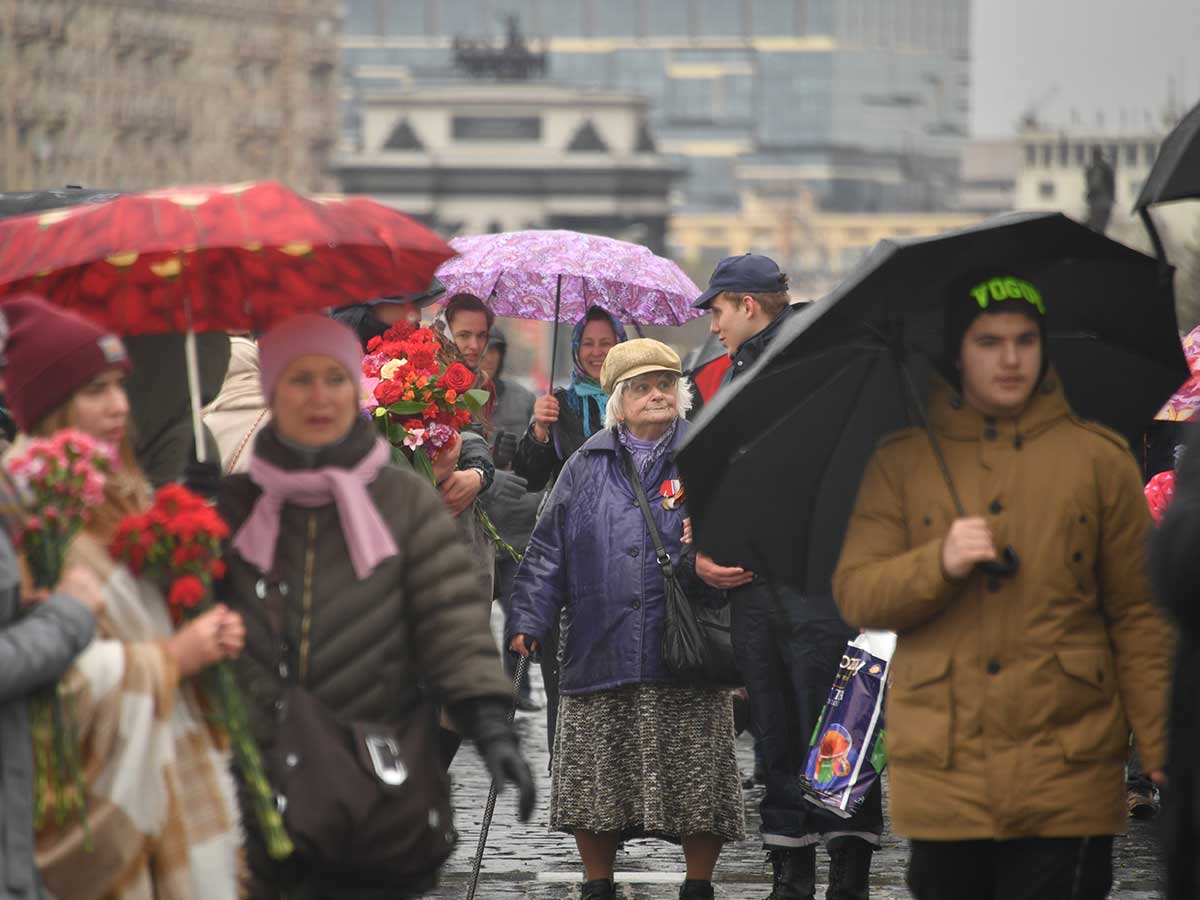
[[660, 551]]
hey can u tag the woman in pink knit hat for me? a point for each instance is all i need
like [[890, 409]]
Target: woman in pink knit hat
[[161, 808], [358, 597]]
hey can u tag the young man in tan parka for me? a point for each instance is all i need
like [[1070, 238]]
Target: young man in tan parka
[[1011, 697]]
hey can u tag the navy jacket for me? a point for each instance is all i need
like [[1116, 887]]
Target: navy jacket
[[591, 559], [755, 346]]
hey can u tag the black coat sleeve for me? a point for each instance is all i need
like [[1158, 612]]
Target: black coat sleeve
[[535, 461], [539, 463]]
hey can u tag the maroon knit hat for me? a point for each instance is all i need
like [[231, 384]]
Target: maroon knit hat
[[50, 355]]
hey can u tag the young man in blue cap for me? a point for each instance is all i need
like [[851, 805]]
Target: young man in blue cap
[[787, 644]]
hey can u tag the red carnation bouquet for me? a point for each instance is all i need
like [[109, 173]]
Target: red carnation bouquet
[[60, 479], [177, 545], [419, 404]]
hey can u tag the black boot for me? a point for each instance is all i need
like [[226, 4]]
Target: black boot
[[849, 869], [599, 889], [795, 871], [695, 889]]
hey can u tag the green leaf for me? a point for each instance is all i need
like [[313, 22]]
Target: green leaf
[[422, 464], [477, 399], [380, 412], [407, 407]]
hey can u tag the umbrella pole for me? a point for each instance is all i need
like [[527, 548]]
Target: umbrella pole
[[914, 397], [193, 374], [554, 339]]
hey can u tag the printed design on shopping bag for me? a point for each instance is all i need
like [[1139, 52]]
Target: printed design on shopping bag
[[833, 756]]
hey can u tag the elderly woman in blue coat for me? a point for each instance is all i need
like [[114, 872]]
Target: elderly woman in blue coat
[[636, 754]]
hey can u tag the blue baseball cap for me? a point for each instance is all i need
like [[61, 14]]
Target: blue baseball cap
[[749, 273]]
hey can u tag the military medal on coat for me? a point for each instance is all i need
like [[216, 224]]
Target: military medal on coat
[[672, 493]]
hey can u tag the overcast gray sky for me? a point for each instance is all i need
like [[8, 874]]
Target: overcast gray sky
[[1103, 55]]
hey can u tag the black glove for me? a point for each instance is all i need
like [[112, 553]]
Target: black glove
[[507, 488], [203, 478], [504, 449], [487, 723]]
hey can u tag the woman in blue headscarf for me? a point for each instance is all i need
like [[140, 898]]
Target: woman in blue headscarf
[[563, 420]]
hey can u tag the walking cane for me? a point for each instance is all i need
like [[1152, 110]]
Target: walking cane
[[522, 668]]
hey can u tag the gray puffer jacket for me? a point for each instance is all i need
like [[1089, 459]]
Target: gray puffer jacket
[[35, 650]]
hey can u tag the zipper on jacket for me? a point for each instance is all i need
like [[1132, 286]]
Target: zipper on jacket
[[310, 558]]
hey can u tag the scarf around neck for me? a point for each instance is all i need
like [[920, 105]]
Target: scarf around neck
[[367, 536], [646, 453]]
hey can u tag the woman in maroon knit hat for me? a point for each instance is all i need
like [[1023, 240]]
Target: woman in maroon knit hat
[[161, 808]]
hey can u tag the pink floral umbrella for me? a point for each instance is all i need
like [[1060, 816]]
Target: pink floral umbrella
[[555, 276], [1185, 402]]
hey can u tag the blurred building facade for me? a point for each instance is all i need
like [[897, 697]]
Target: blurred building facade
[[863, 103], [1046, 168], [816, 247], [133, 94], [481, 155], [1052, 166]]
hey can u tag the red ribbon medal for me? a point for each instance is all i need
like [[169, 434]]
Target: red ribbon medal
[[672, 493]]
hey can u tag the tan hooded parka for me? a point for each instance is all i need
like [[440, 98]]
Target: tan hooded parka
[[1011, 699]]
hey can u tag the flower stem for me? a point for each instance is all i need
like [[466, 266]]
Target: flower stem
[[249, 762]]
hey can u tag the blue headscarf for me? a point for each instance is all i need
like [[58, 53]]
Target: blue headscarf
[[584, 385]]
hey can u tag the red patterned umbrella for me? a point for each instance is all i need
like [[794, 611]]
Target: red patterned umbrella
[[215, 258]]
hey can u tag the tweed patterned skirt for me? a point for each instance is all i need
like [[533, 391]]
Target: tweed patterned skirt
[[647, 760]]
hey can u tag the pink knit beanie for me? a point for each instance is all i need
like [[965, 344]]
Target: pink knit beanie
[[300, 336]]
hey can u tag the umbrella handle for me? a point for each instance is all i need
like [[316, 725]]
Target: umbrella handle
[[1004, 567], [193, 374], [554, 337]]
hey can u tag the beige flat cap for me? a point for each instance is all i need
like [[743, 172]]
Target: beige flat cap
[[637, 357]]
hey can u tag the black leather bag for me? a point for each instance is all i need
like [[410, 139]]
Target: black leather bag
[[698, 638], [368, 799]]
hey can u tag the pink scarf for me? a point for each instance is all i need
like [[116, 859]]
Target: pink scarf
[[367, 536]]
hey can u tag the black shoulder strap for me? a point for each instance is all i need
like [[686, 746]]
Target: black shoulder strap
[[663, 557]]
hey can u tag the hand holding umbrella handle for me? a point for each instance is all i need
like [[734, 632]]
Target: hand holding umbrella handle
[[1004, 567]]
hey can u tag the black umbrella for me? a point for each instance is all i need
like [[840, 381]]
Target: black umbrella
[[1175, 175], [19, 203], [774, 462], [1176, 171]]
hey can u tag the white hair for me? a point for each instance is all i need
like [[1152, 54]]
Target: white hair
[[614, 410]]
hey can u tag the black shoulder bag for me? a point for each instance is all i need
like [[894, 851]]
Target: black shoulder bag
[[368, 800], [697, 641]]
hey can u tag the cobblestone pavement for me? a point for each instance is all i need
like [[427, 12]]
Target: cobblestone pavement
[[527, 861]]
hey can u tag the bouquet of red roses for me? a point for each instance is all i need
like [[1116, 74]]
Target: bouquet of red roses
[[419, 403], [177, 544], [60, 479]]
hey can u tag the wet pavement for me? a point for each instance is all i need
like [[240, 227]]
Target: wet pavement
[[527, 861]]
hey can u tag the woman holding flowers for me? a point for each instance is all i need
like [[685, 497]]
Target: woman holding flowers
[[356, 591], [161, 814], [36, 647]]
